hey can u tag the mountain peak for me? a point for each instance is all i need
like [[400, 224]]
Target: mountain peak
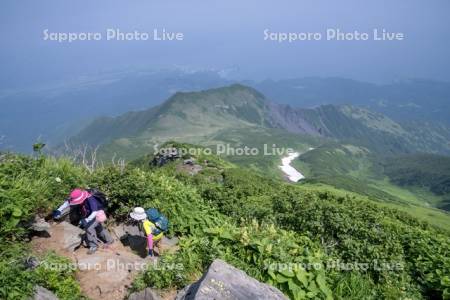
[[225, 90], [217, 101], [201, 113]]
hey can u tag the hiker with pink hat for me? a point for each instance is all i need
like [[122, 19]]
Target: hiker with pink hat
[[91, 211]]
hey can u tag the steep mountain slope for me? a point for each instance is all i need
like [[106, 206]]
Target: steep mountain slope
[[422, 107], [350, 142], [349, 124]]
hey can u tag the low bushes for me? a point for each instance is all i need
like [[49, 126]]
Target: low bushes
[[396, 246], [275, 232], [28, 186]]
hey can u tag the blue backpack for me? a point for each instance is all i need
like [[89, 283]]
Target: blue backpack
[[160, 220]]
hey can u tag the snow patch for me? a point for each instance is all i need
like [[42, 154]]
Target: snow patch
[[291, 173]]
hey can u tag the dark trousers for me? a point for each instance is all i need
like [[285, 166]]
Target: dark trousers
[[95, 230]]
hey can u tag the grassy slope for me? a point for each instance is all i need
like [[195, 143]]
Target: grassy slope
[[422, 171], [436, 217], [413, 195], [362, 181], [350, 169]]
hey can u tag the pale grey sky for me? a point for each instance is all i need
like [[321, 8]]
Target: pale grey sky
[[224, 34]]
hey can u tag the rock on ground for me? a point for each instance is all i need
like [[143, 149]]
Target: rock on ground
[[131, 236], [63, 237], [41, 293], [191, 169], [147, 294], [39, 225], [72, 236], [169, 244], [223, 281]]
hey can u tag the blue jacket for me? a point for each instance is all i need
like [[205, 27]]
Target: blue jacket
[[90, 205]]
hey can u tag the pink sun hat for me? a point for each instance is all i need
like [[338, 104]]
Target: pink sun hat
[[78, 196]]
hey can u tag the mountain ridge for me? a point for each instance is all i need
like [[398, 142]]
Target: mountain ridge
[[422, 102], [197, 117]]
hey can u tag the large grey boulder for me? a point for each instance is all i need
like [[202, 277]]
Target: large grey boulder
[[147, 294], [123, 231], [132, 237], [223, 281], [70, 236], [41, 293], [61, 237]]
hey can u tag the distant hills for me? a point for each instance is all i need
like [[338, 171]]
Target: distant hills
[[55, 112], [403, 101]]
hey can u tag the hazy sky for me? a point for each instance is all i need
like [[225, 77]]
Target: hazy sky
[[225, 34]]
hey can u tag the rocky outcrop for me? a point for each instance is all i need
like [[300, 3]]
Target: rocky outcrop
[[31, 262], [147, 294], [71, 236], [41, 293], [294, 120], [223, 281], [110, 271], [62, 237]]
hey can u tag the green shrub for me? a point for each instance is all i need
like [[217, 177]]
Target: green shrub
[[59, 279], [211, 214], [349, 229], [29, 186]]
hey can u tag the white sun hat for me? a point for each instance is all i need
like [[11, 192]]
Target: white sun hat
[[138, 214]]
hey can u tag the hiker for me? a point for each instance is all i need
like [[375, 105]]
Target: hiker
[[92, 216], [153, 224]]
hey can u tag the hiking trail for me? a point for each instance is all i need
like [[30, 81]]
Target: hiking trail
[[106, 274]]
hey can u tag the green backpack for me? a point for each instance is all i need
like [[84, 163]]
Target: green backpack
[[160, 220]]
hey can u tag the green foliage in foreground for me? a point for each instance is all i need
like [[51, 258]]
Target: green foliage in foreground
[[254, 248], [28, 186], [54, 273], [275, 232], [396, 246]]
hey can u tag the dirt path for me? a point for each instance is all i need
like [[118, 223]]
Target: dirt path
[[107, 274]]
